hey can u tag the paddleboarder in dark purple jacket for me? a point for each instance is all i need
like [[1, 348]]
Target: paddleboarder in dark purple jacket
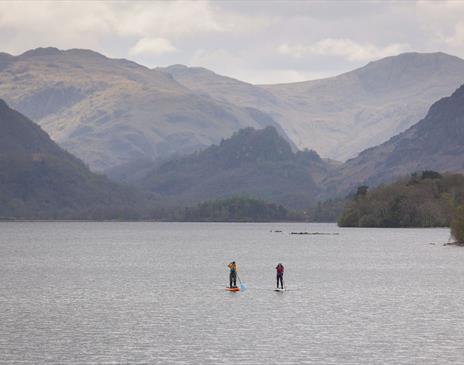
[[280, 275]]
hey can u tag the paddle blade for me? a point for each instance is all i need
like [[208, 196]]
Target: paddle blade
[[242, 287]]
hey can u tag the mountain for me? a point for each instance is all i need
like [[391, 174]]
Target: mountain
[[110, 112], [367, 106], [120, 117], [253, 163], [342, 115], [435, 143], [40, 180]]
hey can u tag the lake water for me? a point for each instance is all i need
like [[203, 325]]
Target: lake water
[[153, 293]]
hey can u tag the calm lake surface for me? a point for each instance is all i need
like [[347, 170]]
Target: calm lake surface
[[153, 293]]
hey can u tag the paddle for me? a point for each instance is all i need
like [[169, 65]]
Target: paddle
[[242, 286]]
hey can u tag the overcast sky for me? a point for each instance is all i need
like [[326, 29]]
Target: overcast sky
[[259, 42]]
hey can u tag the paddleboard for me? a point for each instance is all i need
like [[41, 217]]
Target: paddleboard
[[280, 290], [232, 289]]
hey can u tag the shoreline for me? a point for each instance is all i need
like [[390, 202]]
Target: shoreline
[[140, 221]]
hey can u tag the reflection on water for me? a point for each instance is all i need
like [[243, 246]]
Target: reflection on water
[[154, 293]]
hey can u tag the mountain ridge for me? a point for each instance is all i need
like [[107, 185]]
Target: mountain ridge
[[110, 112], [433, 143], [359, 109]]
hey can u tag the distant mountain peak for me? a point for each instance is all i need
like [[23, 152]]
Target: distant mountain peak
[[179, 68], [413, 56], [85, 52], [42, 51], [411, 62], [249, 144], [53, 51]]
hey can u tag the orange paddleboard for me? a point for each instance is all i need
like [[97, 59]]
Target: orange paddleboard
[[232, 289]]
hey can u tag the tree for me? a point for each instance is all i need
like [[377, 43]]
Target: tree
[[457, 225], [362, 191], [429, 174]]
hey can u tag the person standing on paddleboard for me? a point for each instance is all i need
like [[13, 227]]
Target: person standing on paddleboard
[[233, 275], [280, 275]]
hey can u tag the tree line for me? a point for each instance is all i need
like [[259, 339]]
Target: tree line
[[427, 199], [238, 209]]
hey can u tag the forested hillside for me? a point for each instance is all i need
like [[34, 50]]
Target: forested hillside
[[40, 180], [428, 199]]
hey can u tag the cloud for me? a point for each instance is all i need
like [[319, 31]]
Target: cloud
[[252, 40], [69, 24], [343, 47], [456, 40], [236, 65], [154, 46], [25, 25], [166, 18]]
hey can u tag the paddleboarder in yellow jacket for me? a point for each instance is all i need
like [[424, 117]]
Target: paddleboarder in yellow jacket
[[233, 275]]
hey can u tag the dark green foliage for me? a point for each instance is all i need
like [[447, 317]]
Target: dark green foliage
[[429, 174], [238, 209], [361, 191], [457, 225], [425, 202]]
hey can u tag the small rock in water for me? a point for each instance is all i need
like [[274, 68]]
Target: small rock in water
[[316, 233]]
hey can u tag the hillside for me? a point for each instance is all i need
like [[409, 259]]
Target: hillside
[[110, 112], [40, 180], [221, 88], [254, 163], [435, 143], [340, 116]]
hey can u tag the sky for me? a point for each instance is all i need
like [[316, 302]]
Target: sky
[[255, 41]]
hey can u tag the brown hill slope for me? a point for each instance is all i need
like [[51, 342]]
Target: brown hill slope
[[110, 112]]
